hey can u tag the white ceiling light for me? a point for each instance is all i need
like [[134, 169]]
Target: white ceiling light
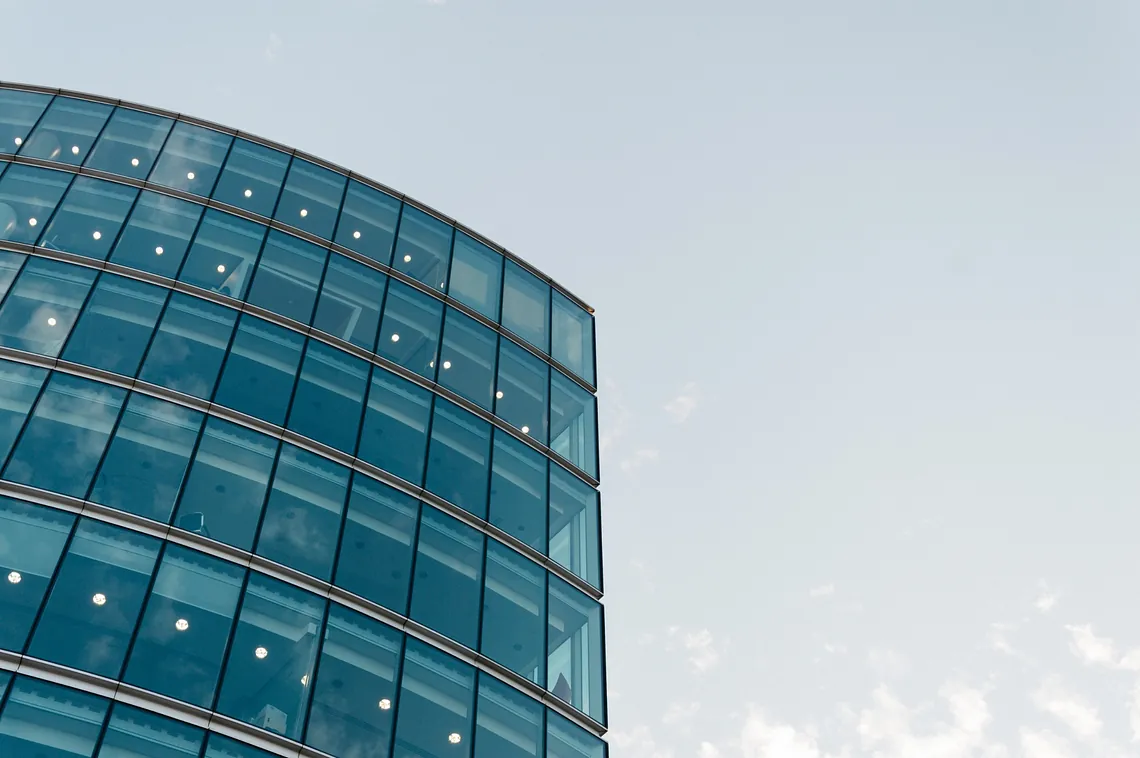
[[261, 652], [134, 161], [51, 321], [182, 625], [97, 235], [221, 268], [304, 213], [356, 235], [158, 250], [395, 338], [249, 193], [454, 738], [75, 149], [99, 598], [190, 176], [385, 704], [15, 577]]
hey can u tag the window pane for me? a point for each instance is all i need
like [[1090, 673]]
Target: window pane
[[115, 327], [509, 724], [395, 426], [467, 358], [476, 275], [43, 720], [183, 634], [449, 568], [288, 276], [42, 307], [31, 540], [27, 198], [311, 198], [436, 694], [526, 306], [96, 599], [252, 177], [188, 349], [157, 234], [147, 460], [223, 254], [567, 740], [356, 687], [90, 217], [67, 131], [302, 517], [224, 747], [10, 265], [424, 247], [132, 733], [19, 388], [409, 333], [518, 490], [19, 112], [260, 370], [574, 643], [191, 159], [271, 661], [574, 525], [65, 437], [573, 342], [514, 605], [376, 551], [130, 143], [573, 423], [349, 306], [459, 457], [226, 486], [520, 394], [368, 222], [330, 396]]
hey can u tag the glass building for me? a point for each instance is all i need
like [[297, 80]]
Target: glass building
[[290, 464]]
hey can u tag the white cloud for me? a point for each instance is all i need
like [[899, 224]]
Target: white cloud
[[1070, 708], [888, 664], [1134, 713], [823, 590], [703, 652], [273, 47], [1043, 744], [834, 649], [886, 729], [1090, 648], [1045, 600], [762, 738], [681, 407], [615, 417], [638, 743], [639, 459], [708, 750], [680, 715], [1130, 661]]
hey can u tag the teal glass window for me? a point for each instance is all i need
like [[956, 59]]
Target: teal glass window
[[227, 482], [526, 306], [191, 159], [574, 529], [65, 437], [436, 700], [147, 459], [19, 112], [514, 612], [409, 332], [184, 630], [157, 234], [223, 747], [349, 305], [518, 490], [476, 275], [302, 518], [448, 578], [260, 369], [459, 457], [575, 664], [28, 196], [10, 265], [572, 343], [565, 739], [288, 276], [135, 732], [509, 724], [311, 198], [376, 550], [44, 720], [67, 131], [423, 248], [90, 217], [130, 143], [573, 423], [355, 687], [33, 540], [330, 396], [368, 222], [252, 177], [394, 436], [115, 326], [467, 358], [19, 388], [42, 307], [187, 352], [270, 663], [520, 391], [95, 602], [223, 254]]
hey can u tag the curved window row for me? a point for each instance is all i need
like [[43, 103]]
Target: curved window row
[[275, 185]]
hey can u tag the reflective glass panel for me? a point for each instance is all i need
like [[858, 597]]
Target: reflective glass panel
[[95, 602], [187, 351], [449, 569], [574, 643], [130, 143], [31, 540], [10, 265], [423, 248], [19, 112], [376, 550], [394, 437], [191, 158], [349, 306], [252, 177], [133, 733], [368, 222], [67, 131], [43, 720], [223, 254], [459, 457], [520, 393], [568, 740], [518, 490], [573, 423], [311, 198], [514, 605], [330, 396], [89, 219], [39, 312], [574, 525], [28, 196], [223, 747], [157, 234], [573, 336], [183, 633], [467, 358], [436, 699], [260, 369], [115, 327], [409, 332], [509, 724], [526, 306], [288, 276], [476, 275], [19, 388]]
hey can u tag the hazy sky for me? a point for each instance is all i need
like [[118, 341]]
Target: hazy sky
[[866, 278]]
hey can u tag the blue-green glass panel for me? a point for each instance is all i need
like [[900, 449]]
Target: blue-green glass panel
[[376, 550], [330, 396], [19, 112], [223, 254], [409, 332], [188, 349], [514, 611], [147, 458], [115, 326], [518, 490], [467, 358], [135, 732], [260, 369], [191, 159], [223, 747], [89, 218], [575, 657], [311, 198], [10, 265], [67, 131], [476, 275], [44, 720], [368, 222], [437, 694], [130, 143], [448, 578], [459, 457], [526, 306], [423, 248], [574, 529], [33, 539], [520, 392], [349, 305], [28, 196], [252, 177], [19, 387], [157, 234], [42, 307], [509, 724], [394, 436], [288, 275], [184, 630], [96, 600], [565, 739], [573, 423], [572, 343]]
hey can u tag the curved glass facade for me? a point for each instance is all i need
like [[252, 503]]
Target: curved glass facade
[[289, 464]]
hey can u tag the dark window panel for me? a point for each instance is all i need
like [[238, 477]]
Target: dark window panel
[[368, 222], [467, 358], [311, 198], [288, 275], [409, 331], [448, 577], [476, 276], [252, 177], [396, 418], [67, 131], [89, 219], [330, 396], [19, 112], [423, 249], [350, 301], [459, 457], [518, 490], [28, 197], [191, 159], [157, 234], [261, 369], [526, 306], [42, 307], [514, 612], [44, 720], [187, 352], [115, 326], [130, 143], [521, 390], [33, 541], [436, 700]]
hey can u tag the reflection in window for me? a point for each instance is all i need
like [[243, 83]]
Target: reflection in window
[[67, 131], [223, 747], [476, 275], [368, 222], [186, 354], [394, 437], [574, 525], [133, 732], [423, 248], [191, 158], [260, 369], [573, 423], [520, 392], [518, 490], [130, 143], [526, 306], [89, 219], [223, 254], [573, 341], [509, 724], [409, 333], [157, 234], [349, 306], [574, 643], [10, 265], [252, 177], [449, 568], [467, 358], [19, 387], [28, 197], [31, 540], [514, 604], [568, 740], [115, 327], [311, 198], [40, 310], [43, 720], [459, 456], [19, 112], [436, 694], [287, 276], [330, 396]]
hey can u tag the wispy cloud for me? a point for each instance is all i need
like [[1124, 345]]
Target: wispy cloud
[[703, 652], [273, 48], [888, 664], [638, 742], [1046, 599], [1090, 648], [708, 750], [1072, 709], [640, 458], [1043, 744], [823, 590], [681, 407], [680, 715]]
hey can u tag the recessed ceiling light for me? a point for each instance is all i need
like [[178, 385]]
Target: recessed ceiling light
[[99, 598], [446, 364], [454, 738], [356, 235], [51, 321], [182, 625], [97, 235], [190, 176], [75, 149], [304, 213], [395, 338], [526, 430], [134, 161], [158, 250], [499, 394], [15, 577], [221, 268], [261, 652], [249, 193], [407, 259], [385, 704], [32, 222], [19, 141]]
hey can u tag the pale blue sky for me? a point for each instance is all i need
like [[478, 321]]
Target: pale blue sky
[[866, 285]]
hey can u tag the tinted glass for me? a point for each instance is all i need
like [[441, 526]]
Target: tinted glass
[[67, 131], [10, 265], [19, 387], [288, 276], [41, 308], [459, 457], [252, 177], [27, 198], [509, 724], [43, 720], [31, 540], [19, 112], [574, 525], [349, 306], [518, 490], [436, 700], [572, 344], [514, 605], [567, 740], [476, 276], [223, 747], [574, 645], [311, 198], [191, 159], [526, 306], [130, 143], [520, 393], [449, 576], [157, 234], [330, 396], [116, 324], [260, 369], [188, 348], [409, 332], [467, 358], [133, 732], [573, 423], [368, 222], [89, 219], [395, 426], [423, 248], [376, 551], [223, 254]]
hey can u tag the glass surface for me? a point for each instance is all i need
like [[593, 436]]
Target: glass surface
[[394, 437], [574, 541], [191, 158], [19, 388], [518, 490], [95, 602], [514, 605], [520, 392], [19, 112], [260, 369], [436, 699], [376, 551], [28, 196], [355, 688], [423, 248], [330, 396], [130, 143], [10, 265], [302, 516], [31, 540], [311, 198], [565, 739], [40, 310], [409, 332], [223, 747], [89, 219], [67, 131], [467, 358], [65, 437], [252, 177], [459, 457], [133, 733], [368, 222], [115, 326], [509, 724], [43, 720], [574, 645], [227, 482], [288, 276], [147, 458], [223, 254], [449, 576], [476, 275], [526, 306], [188, 349], [573, 423], [184, 630], [572, 343], [271, 661], [349, 305], [157, 234]]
